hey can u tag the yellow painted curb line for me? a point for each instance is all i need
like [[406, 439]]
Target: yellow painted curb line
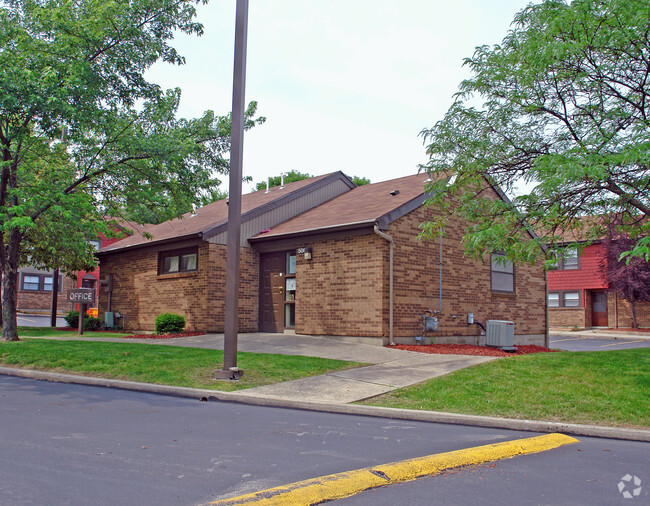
[[336, 486]]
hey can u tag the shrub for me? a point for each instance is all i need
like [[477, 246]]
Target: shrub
[[92, 323], [167, 323], [72, 319]]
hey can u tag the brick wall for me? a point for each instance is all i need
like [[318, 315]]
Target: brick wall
[[567, 317], [141, 294], [30, 299], [619, 314], [466, 286], [343, 289], [624, 319]]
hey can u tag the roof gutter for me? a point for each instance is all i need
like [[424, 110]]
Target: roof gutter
[[152, 242], [312, 231], [390, 281]]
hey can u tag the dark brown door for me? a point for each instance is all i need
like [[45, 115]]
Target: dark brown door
[[272, 292], [599, 309]]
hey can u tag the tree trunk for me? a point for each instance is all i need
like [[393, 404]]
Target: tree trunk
[[635, 324], [9, 287]]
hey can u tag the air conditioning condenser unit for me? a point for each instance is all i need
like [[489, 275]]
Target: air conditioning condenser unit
[[501, 334]]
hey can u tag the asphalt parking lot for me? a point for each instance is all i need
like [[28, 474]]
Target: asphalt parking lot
[[585, 343]]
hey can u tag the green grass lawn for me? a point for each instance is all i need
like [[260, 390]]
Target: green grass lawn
[[169, 365], [49, 331], [601, 388]]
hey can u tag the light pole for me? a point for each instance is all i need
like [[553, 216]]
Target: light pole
[[230, 370]]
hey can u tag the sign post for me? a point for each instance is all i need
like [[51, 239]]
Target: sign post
[[83, 297]]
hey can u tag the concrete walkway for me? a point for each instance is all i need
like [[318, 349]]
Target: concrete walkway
[[390, 369]]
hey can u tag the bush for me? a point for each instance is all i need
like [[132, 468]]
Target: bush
[[92, 323], [169, 323], [72, 319]]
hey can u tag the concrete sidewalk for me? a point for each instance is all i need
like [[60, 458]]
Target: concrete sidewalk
[[391, 368]]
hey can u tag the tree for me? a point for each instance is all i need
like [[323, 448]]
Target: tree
[[360, 181], [289, 177], [566, 115], [294, 175], [630, 280], [83, 134]]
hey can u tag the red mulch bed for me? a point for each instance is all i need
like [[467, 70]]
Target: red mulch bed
[[163, 336], [469, 349], [138, 336], [74, 329]]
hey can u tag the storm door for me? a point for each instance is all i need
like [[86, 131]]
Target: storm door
[[277, 291], [599, 309]]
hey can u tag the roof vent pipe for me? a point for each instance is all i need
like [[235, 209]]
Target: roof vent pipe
[[390, 283], [282, 181], [268, 185]]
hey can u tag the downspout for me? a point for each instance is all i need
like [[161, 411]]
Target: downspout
[[440, 284], [390, 282], [546, 332]]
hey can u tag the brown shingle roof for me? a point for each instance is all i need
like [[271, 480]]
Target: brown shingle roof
[[207, 217], [364, 205]]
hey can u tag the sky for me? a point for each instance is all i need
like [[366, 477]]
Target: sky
[[344, 84]]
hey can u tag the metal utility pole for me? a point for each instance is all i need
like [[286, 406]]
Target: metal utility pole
[[230, 369], [55, 292]]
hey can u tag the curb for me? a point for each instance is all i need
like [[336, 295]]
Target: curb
[[349, 483], [347, 409]]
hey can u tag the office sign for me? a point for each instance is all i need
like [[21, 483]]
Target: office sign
[[82, 295]]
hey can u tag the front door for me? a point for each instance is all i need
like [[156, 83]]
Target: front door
[[599, 309], [272, 292]]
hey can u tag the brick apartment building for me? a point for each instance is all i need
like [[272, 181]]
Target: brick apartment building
[[578, 294], [35, 286], [316, 259], [35, 290]]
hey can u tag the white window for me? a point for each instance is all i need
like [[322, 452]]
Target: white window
[[553, 299], [571, 299], [570, 260], [31, 282]]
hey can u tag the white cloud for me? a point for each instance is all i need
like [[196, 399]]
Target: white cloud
[[345, 85]]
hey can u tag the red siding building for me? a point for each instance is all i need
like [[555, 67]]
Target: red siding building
[[578, 295]]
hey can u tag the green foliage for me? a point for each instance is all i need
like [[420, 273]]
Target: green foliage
[[560, 106], [72, 319], [360, 181], [294, 175], [289, 177], [92, 323], [84, 135], [169, 323]]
